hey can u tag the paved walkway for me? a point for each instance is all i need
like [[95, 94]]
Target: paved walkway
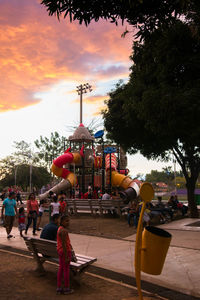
[[181, 271]]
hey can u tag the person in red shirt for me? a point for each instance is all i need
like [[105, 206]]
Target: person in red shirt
[[63, 205], [64, 250], [32, 212]]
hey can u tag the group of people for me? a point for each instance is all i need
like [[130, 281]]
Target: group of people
[[91, 193], [17, 190], [34, 213], [56, 230], [163, 211]]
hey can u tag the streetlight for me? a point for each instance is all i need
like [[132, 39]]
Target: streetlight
[[174, 161], [16, 175], [30, 183], [29, 155], [83, 88]]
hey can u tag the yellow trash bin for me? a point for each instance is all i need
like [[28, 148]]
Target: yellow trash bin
[[155, 244]]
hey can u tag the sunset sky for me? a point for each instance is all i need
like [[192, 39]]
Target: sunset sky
[[42, 61]]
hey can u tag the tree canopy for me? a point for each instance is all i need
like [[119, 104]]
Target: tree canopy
[[162, 176], [15, 169], [50, 148], [145, 14], [21, 176], [159, 107]]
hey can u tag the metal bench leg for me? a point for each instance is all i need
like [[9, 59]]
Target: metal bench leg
[[39, 260]]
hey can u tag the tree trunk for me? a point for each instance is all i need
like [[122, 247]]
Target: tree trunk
[[191, 199]]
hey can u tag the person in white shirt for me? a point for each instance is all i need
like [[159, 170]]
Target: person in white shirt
[[106, 196], [55, 206], [42, 207]]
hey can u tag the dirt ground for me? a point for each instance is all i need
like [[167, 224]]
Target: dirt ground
[[19, 281], [106, 226]]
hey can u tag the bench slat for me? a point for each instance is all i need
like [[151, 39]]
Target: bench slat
[[84, 256]]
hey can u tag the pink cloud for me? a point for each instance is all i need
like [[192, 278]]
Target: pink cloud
[[37, 51]]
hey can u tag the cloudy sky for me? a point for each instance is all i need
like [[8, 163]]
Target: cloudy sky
[[42, 61]]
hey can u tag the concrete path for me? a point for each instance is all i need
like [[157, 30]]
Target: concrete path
[[181, 271]]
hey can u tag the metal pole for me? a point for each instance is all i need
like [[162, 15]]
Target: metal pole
[[103, 169], [16, 175], [175, 176], [81, 102], [93, 172], [64, 144], [110, 172], [30, 177], [118, 158], [83, 175]]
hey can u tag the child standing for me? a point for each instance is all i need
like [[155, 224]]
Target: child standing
[[63, 205], [64, 251], [42, 207], [21, 220], [55, 206]]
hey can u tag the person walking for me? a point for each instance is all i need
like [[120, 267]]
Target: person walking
[[32, 212], [10, 207], [133, 213], [18, 197], [64, 250]]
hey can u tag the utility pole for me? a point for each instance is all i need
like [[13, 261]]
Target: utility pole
[[83, 88]]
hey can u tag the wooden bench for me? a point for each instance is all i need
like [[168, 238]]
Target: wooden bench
[[45, 250], [94, 205]]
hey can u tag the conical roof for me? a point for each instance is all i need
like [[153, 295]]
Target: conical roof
[[81, 134]]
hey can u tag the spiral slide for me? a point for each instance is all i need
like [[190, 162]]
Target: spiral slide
[[130, 187]]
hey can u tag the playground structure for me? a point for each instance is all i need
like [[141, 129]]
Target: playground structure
[[78, 167], [89, 161]]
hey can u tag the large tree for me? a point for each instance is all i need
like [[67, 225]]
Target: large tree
[[146, 15], [50, 148], [15, 169], [159, 108], [20, 175]]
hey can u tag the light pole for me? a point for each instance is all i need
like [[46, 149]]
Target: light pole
[[83, 88], [30, 180], [174, 161], [16, 175], [29, 155]]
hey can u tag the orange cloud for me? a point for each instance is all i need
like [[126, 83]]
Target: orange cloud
[[96, 99], [37, 51]]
